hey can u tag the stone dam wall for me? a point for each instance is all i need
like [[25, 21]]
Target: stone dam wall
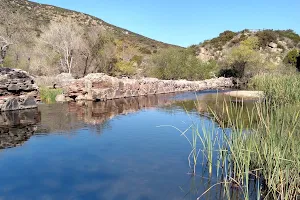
[[101, 87]]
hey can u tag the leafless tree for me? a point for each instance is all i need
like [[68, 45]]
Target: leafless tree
[[4, 45], [66, 39], [13, 29]]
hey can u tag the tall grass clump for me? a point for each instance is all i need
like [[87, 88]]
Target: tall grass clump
[[268, 150], [280, 89], [267, 147], [48, 95]]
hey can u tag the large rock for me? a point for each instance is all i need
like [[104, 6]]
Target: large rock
[[101, 87], [63, 79], [17, 90], [273, 45]]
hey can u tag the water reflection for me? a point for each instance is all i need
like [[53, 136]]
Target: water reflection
[[16, 127], [101, 112], [216, 103], [133, 159]]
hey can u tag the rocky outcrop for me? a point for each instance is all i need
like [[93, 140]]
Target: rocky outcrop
[[101, 87], [16, 127], [17, 90]]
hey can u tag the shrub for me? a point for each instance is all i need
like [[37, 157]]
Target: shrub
[[223, 38], [266, 36], [251, 42], [144, 50], [238, 40], [137, 59], [280, 46], [181, 64], [291, 57], [242, 60], [125, 68], [289, 34], [193, 49]]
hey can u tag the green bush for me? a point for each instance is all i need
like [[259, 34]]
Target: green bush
[[137, 59], [266, 36], [125, 68], [242, 60], [223, 38], [289, 34], [145, 50], [181, 64], [291, 57], [238, 40]]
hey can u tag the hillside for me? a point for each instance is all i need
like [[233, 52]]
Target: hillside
[[46, 40], [272, 44], [42, 14], [24, 25]]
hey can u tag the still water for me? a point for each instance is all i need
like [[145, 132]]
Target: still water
[[114, 150]]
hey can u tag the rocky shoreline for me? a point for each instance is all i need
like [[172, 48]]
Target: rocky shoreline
[[101, 87], [18, 90]]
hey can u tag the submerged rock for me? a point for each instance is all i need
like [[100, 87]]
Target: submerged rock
[[247, 95]]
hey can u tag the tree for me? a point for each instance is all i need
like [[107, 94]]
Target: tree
[[291, 57], [66, 39], [243, 59], [98, 51], [175, 63], [4, 45], [14, 28]]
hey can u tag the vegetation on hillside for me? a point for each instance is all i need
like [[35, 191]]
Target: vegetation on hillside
[[181, 64], [47, 40]]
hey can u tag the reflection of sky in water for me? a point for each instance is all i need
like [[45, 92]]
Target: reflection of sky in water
[[128, 158], [199, 95]]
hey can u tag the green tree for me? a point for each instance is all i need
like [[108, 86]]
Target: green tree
[[181, 64], [243, 59], [291, 57]]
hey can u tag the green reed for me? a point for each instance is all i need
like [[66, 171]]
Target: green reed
[[266, 147], [48, 95]]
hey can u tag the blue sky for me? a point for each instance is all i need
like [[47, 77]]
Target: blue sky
[[186, 22]]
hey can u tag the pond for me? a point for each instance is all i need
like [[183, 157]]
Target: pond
[[123, 149]]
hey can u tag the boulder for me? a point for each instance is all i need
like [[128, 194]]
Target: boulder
[[17, 90], [63, 79], [273, 45]]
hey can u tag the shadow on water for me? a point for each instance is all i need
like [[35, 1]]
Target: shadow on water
[[106, 150]]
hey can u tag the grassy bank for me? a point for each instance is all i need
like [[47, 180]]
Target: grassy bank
[[48, 95], [280, 89], [265, 150]]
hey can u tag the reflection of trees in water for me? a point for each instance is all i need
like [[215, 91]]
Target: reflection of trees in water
[[100, 112], [16, 127], [76, 115], [57, 118], [220, 105]]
